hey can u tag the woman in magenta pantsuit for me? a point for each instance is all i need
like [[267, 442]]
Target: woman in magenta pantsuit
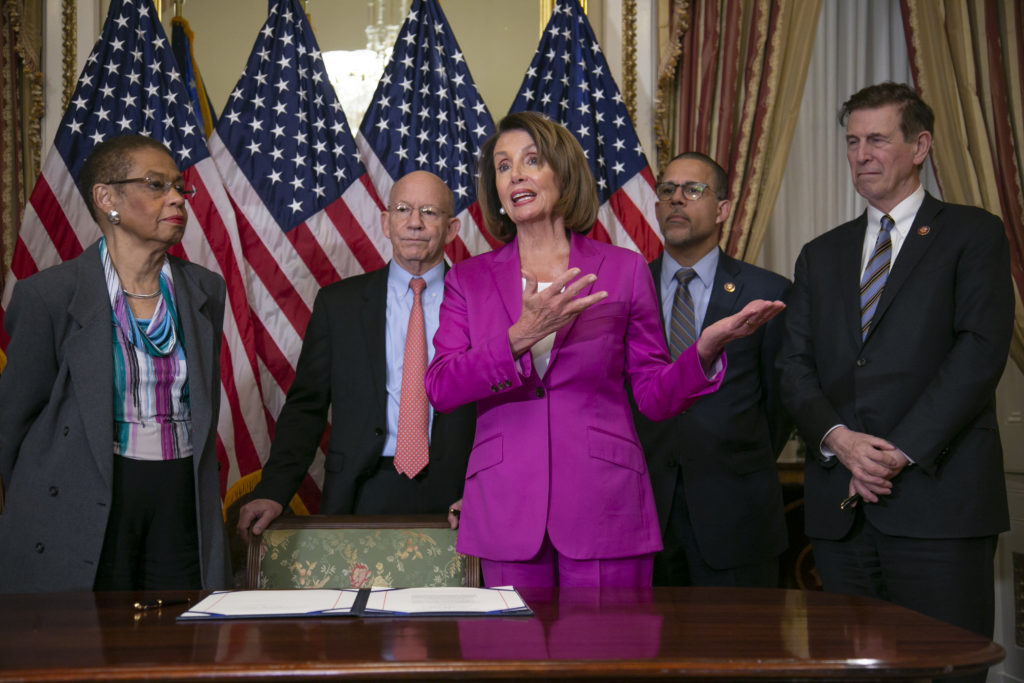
[[546, 335]]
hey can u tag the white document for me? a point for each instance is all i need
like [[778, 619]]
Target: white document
[[273, 603], [445, 600]]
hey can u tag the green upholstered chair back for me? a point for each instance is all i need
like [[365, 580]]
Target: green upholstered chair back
[[350, 551]]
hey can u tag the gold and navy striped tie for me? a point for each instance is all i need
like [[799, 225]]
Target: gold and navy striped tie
[[875, 275], [682, 327]]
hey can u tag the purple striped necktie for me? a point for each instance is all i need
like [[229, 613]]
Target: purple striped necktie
[[875, 275]]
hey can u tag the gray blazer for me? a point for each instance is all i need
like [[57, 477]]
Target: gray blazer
[[56, 423]]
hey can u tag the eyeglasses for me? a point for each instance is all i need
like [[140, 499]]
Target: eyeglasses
[[691, 191], [430, 215], [158, 187]]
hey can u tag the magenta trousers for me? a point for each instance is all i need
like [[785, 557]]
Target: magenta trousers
[[550, 568]]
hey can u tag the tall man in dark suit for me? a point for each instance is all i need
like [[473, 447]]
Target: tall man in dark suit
[[897, 333], [712, 468], [352, 362]]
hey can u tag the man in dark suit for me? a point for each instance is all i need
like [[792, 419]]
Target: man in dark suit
[[897, 333], [712, 467], [352, 362]]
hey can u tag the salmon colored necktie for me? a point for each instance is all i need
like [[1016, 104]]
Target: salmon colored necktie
[[413, 410]]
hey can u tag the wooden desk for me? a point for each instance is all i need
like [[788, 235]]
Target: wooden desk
[[613, 634]]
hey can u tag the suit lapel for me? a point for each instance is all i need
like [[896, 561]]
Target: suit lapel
[[90, 359], [851, 248], [198, 329], [725, 292], [582, 255], [373, 323], [913, 250], [506, 275]]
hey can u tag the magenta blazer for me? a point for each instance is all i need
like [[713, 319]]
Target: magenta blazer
[[558, 454]]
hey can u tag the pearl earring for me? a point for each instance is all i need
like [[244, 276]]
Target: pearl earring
[[501, 210], [113, 216]]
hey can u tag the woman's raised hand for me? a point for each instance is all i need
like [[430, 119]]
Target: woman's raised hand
[[550, 310], [714, 337]]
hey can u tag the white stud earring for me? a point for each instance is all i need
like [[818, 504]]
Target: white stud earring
[[113, 216], [501, 210]]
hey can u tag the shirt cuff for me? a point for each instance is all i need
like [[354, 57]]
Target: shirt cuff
[[825, 452], [828, 454], [715, 369]]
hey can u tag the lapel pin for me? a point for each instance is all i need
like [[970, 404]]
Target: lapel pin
[[923, 230], [729, 287]]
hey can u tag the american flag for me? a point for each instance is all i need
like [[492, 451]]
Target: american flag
[[181, 45], [131, 84], [569, 82], [426, 114], [306, 211]]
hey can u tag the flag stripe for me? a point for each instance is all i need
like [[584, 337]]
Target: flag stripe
[[266, 267], [312, 254], [235, 435], [277, 363], [355, 237], [456, 250], [599, 233], [477, 217], [62, 238]]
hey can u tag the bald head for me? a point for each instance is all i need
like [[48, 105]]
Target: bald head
[[426, 183], [419, 221]]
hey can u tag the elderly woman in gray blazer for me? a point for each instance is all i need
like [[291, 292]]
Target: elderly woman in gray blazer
[[108, 403]]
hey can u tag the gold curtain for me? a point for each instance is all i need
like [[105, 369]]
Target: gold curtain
[[730, 86], [21, 111], [968, 63]]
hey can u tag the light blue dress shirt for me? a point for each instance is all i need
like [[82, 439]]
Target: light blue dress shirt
[[700, 288], [399, 305]]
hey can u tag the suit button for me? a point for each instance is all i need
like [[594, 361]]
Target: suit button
[[861, 362], [378, 431], [54, 491], [67, 430], [40, 547], [540, 392]]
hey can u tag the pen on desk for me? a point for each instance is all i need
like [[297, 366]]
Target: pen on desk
[[160, 602], [849, 501]]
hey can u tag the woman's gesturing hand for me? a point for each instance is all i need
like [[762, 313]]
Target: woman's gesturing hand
[[714, 337], [550, 310]]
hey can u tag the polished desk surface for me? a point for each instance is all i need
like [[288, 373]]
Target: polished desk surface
[[576, 633]]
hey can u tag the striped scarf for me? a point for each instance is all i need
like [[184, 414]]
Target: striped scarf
[[159, 335]]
